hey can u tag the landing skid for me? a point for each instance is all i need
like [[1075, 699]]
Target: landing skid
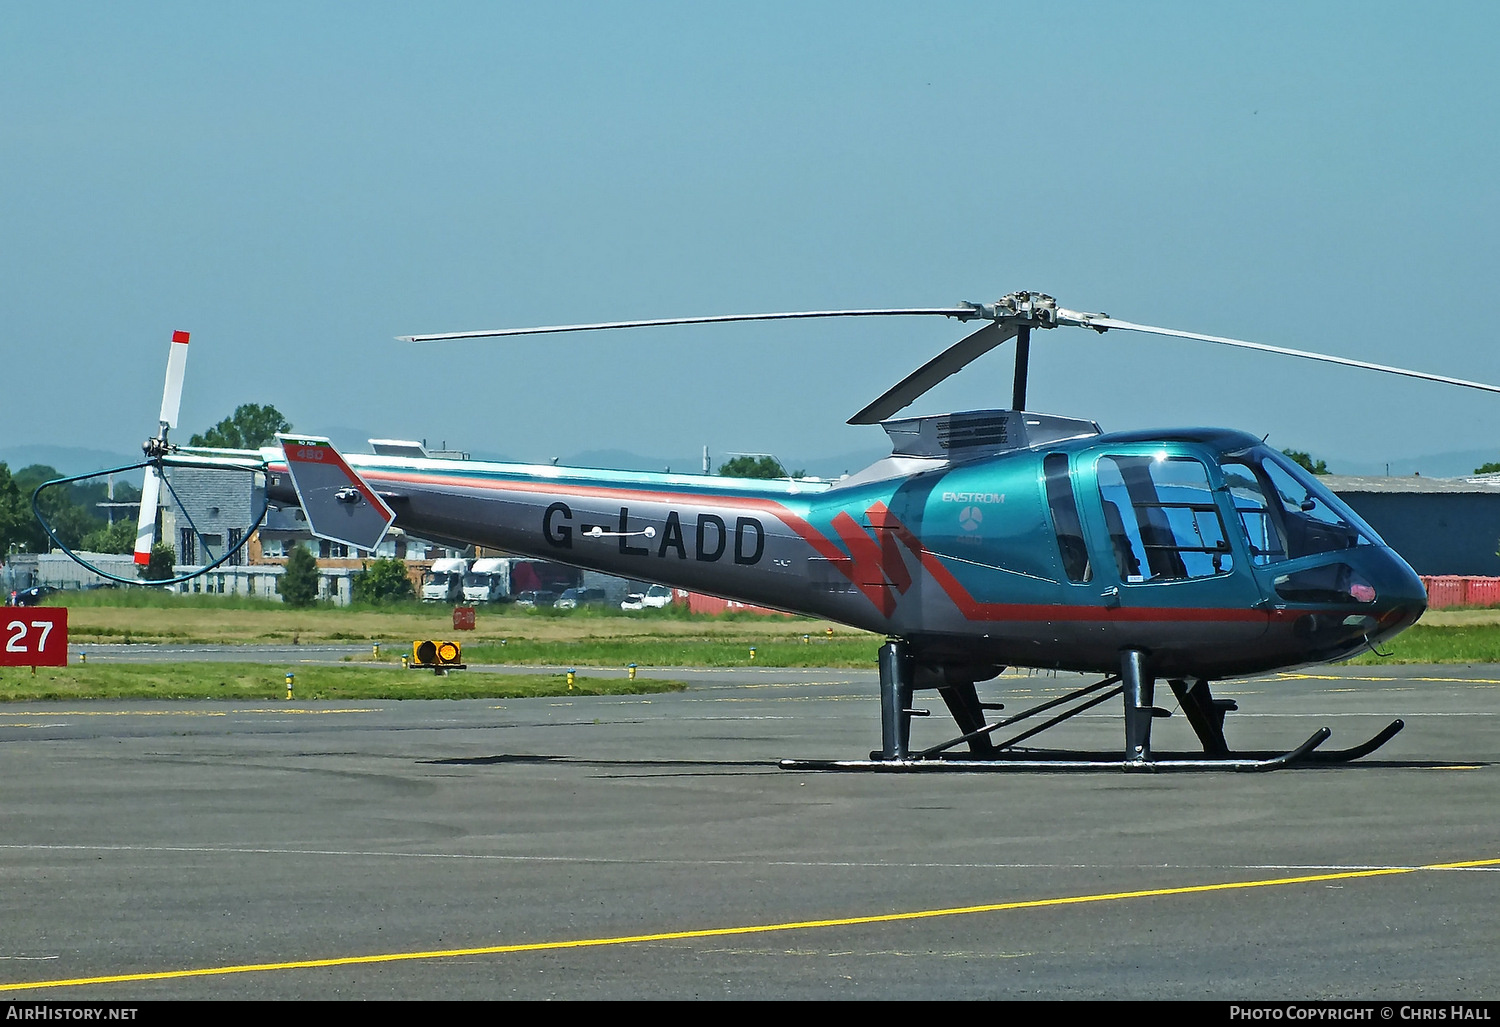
[[1046, 760], [1350, 754], [898, 674]]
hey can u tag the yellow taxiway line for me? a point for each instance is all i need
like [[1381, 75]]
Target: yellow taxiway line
[[722, 932]]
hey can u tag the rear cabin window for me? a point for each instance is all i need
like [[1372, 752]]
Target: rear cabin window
[[1065, 521], [1162, 520]]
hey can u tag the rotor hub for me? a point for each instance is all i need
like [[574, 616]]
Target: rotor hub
[[1023, 309]]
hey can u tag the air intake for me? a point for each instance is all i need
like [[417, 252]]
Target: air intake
[[965, 431]]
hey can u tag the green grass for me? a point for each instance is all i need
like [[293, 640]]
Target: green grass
[[1478, 643], [675, 651], [594, 637], [156, 598], [267, 683]]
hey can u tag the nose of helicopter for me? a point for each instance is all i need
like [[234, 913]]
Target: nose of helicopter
[[1400, 596]]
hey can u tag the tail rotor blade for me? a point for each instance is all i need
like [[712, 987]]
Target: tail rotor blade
[[145, 531], [171, 397]]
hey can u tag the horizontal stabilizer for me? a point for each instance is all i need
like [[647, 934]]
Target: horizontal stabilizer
[[339, 504]]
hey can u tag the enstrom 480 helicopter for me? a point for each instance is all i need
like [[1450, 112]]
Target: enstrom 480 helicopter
[[987, 539]]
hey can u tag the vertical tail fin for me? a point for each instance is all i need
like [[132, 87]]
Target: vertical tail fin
[[339, 504]]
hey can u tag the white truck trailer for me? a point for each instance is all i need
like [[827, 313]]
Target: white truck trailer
[[488, 581], [444, 583]]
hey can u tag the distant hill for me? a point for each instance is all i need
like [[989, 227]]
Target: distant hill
[[355, 440], [79, 460], [67, 459]]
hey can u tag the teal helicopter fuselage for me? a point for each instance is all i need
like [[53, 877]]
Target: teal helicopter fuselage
[[1203, 548]]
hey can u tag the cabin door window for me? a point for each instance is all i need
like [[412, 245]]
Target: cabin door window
[[1162, 521]]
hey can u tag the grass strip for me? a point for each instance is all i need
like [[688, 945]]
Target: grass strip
[[596, 637], [1479, 643], [658, 651], [238, 620], [267, 683]]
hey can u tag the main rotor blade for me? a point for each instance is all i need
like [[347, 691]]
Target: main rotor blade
[[1093, 321], [951, 360], [962, 313], [171, 396]]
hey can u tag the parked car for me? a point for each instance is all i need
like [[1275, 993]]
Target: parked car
[[575, 597], [657, 596], [654, 598], [536, 598], [30, 596]]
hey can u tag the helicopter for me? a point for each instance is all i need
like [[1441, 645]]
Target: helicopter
[[986, 540]]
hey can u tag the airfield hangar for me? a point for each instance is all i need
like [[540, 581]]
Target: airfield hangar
[[1441, 526]]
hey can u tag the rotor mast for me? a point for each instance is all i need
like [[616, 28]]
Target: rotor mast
[[1023, 360]]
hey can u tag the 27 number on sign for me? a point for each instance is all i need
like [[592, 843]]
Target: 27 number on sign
[[36, 639]]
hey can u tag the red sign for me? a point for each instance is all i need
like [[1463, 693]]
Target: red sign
[[463, 618], [35, 637]]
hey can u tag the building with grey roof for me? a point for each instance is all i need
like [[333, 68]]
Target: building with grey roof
[[1440, 525]]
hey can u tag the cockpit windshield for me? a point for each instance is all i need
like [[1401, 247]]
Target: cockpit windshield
[[1285, 512]]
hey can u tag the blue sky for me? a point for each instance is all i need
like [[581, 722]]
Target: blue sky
[[298, 184]]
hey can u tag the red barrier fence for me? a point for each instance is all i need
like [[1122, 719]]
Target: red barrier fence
[[697, 602], [1444, 590]]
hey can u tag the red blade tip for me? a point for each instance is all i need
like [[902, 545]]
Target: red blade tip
[[179, 336]]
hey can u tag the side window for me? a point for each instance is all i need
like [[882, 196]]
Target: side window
[[1162, 520], [1065, 522], [1311, 525], [1255, 513]]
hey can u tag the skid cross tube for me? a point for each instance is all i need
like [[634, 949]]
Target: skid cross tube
[[1078, 693], [1011, 742]]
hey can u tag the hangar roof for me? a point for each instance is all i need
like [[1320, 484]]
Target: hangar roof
[[1479, 485]]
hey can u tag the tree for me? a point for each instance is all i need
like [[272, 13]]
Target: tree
[[755, 467], [1316, 467], [299, 583], [118, 537], [251, 427], [163, 558], [382, 581], [1490, 468], [16, 521], [62, 506]]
